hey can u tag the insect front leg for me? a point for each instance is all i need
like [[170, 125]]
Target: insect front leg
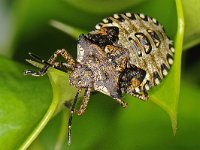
[[37, 73], [84, 102], [70, 61], [51, 63]]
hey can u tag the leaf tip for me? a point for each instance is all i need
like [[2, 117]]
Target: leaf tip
[[174, 123]]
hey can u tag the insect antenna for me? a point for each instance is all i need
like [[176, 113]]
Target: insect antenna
[[70, 117]]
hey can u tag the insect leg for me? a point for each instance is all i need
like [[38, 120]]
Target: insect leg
[[84, 102], [59, 65], [51, 63], [65, 55], [37, 73], [39, 60], [121, 102], [142, 95], [70, 117]]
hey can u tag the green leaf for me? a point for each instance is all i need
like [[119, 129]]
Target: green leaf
[[23, 102], [141, 125], [192, 28], [167, 94], [103, 7], [51, 138], [62, 93], [72, 31]]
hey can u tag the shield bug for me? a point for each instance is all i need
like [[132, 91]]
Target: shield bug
[[125, 54]]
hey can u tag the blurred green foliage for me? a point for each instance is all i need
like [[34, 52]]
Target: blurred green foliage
[[24, 101]]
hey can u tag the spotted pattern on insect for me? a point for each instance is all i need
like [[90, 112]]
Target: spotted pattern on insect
[[125, 54], [142, 41]]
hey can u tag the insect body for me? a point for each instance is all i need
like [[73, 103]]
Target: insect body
[[126, 53]]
